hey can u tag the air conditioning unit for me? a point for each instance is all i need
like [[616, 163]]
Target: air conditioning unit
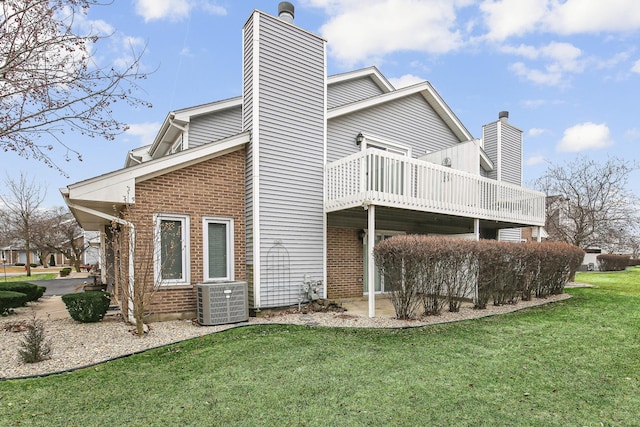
[[220, 303]]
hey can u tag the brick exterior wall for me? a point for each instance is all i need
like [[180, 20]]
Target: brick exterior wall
[[213, 187], [345, 263]]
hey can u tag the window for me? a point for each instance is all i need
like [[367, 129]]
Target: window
[[172, 249], [218, 248]]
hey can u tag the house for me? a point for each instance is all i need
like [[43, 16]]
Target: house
[[298, 177]]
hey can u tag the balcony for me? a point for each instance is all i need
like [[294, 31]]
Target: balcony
[[386, 179]]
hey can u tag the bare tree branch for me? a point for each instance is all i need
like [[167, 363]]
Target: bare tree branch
[[50, 82], [589, 204]]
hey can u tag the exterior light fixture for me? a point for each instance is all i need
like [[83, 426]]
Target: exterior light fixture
[[359, 138], [446, 162], [361, 234]]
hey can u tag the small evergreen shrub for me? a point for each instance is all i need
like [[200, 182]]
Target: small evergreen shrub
[[34, 347], [10, 300], [33, 265], [29, 289], [41, 291], [87, 307], [64, 272], [19, 264]]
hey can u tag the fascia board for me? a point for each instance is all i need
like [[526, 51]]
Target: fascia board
[[119, 186], [427, 91], [372, 72], [185, 115]]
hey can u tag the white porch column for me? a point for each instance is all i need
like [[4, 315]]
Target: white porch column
[[539, 238], [476, 229], [371, 272]]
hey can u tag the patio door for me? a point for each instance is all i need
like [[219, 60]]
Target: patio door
[[379, 279]]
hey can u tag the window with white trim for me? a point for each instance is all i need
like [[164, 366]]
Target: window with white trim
[[218, 248], [171, 264]]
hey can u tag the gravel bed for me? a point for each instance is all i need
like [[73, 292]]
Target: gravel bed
[[75, 345]]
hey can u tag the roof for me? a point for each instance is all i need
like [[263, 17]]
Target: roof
[[93, 200], [426, 90]]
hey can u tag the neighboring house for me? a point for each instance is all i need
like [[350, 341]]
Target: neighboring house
[[299, 176]]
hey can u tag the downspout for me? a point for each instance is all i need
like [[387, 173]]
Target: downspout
[[132, 241]]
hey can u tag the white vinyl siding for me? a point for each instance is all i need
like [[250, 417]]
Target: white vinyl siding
[[216, 126], [409, 121], [490, 142], [218, 248], [511, 154], [351, 91], [287, 83], [171, 248]]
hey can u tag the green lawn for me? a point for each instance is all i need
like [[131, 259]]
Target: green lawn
[[25, 278], [572, 363]]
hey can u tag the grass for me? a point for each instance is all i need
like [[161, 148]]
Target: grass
[[574, 362], [25, 278]]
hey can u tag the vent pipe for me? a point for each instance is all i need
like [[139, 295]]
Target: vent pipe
[[503, 115], [285, 11]]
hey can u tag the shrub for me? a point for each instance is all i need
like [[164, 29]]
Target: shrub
[[64, 272], [34, 348], [87, 307], [10, 300], [41, 291], [398, 261], [440, 270], [612, 262], [633, 262], [33, 265], [29, 289]]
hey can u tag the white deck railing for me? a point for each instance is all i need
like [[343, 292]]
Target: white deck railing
[[393, 180]]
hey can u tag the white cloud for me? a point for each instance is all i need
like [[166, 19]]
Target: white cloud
[[534, 160], [509, 18], [506, 18], [633, 134], [561, 59], [146, 131], [580, 16], [636, 67], [535, 132], [585, 136], [365, 31], [406, 80], [175, 10]]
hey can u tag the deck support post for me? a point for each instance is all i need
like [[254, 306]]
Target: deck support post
[[371, 241]]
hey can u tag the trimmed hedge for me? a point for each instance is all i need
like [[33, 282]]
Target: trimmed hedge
[[434, 271], [87, 307], [29, 289], [64, 272], [612, 262], [11, 299]]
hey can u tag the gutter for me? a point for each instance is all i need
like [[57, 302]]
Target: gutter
[[132, 241]]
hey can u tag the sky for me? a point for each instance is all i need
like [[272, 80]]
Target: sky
[[568, 71]]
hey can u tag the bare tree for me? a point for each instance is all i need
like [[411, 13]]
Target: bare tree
[[50, 82], [59, 232], [22, 208], [141, 263], [588, 202]]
